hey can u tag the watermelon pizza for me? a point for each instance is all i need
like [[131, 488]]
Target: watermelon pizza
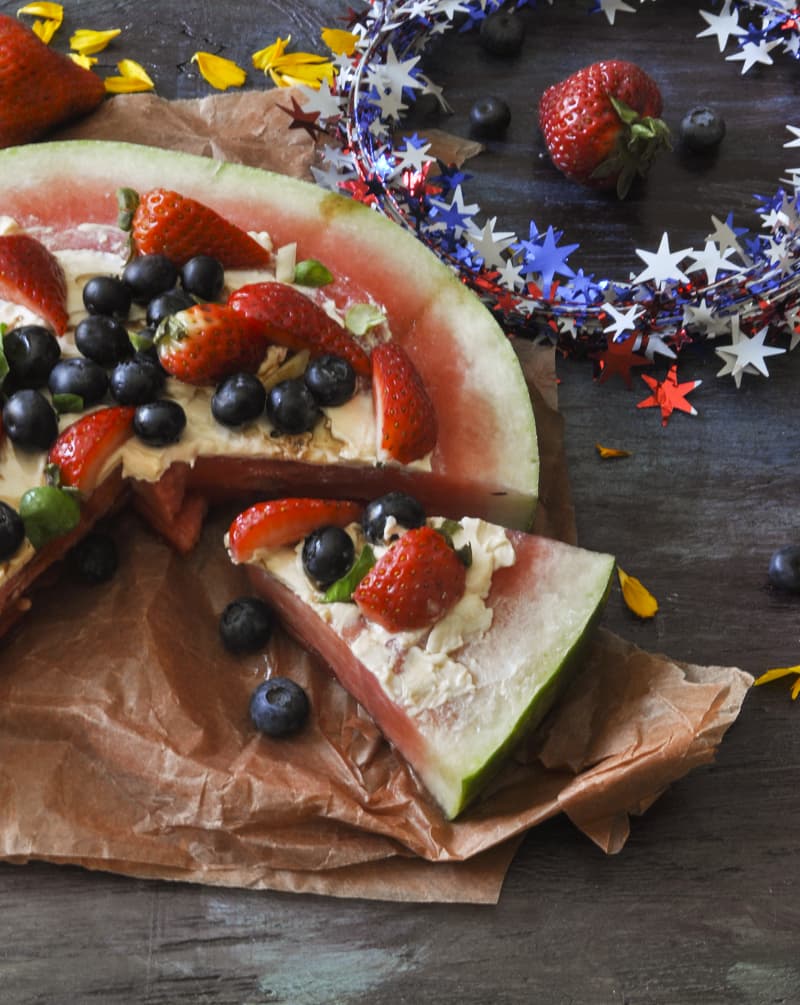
[[180, 332]]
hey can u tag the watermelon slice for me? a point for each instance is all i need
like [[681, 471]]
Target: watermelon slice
[[456, 697], [486, 457]]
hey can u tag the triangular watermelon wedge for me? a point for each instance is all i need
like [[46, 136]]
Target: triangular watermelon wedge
[[455, 716]]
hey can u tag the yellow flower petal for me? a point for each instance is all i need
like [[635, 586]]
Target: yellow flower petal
[[608, 453], [132, 78], [776, 673], [44, 30], [264, 58], [219, 72], [50, 11], [88, 42], [341, 42], [87, 62], [636, 596]]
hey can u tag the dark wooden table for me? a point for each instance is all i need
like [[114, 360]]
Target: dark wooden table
[[701, 906]]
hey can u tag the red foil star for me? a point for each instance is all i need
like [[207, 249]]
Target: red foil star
[[619, 358], [668, 394]]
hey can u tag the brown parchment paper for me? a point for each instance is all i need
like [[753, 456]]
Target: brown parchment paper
[[125, 743]]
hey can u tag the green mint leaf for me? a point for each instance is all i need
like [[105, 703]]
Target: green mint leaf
[[342, 590], [310, 272], [64, 403]]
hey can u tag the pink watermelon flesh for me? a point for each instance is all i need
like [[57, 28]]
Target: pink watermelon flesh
[[544, 606], [486, 459]]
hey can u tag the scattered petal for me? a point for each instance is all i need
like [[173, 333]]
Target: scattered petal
[[776, 673], [132, 78], [51, 11], [293, 68], [45, 30], [88, 42], [342, 43], [637, 597], [87, 62], [609, 453], [218, 71]]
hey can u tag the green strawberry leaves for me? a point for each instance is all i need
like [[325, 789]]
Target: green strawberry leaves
[[640, 140]]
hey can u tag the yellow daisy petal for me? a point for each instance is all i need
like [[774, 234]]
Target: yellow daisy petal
[[264, 58], [88, 42], [44, 30], [776, 673], [87, 62], [50, 11], [340, 42], [610, 453], [636, 596], [132, 78], [218, 71]]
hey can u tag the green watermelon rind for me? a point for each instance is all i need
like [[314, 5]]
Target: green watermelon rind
[[536, 711], [50, 179]]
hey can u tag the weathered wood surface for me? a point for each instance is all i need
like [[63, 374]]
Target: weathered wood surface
[[701, 907]]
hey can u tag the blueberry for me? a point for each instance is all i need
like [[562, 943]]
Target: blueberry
[[80, 377], [30, 420], [238, 399], [95, 559], [490, 116], [136, 381], [159, 423], [404, 509], [331, 379], [107, 295], [784, 568], [203, 277], [12, 531], [291, 407], [245, 626], [328, 554], [502, 33], [702, 129], [31, 351], [279, 707], [166, 304], [149, 275], [103, 339]]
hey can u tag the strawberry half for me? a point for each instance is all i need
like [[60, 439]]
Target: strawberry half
[[601, 124], [41, 87], [405, 416], [278, 522], [171, 224], [413, 584], [290, 318], [83, 448], [31, 276], [207, 342]]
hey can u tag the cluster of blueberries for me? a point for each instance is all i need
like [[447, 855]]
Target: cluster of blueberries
[[279, 706]]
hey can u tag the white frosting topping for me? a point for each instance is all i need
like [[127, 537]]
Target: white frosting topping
[[417, 669]]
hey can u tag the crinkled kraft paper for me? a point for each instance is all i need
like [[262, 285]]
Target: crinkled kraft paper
[[125, 741]]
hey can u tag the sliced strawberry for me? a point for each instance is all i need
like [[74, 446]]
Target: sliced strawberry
[[174, 225], [290, 318], [41, 87], [207, 342], [414, 583], [31, 276], [83, 448], [404, 413], [278, 522]]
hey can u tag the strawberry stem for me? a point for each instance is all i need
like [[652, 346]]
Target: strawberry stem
[[641, 139]]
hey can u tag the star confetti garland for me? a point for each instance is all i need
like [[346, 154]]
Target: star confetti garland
[[740, 284]]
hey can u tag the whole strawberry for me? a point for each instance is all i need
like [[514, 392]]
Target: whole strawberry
[[40, 88], [165, 222], [413, 584], [207, 342], [601, 125]]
